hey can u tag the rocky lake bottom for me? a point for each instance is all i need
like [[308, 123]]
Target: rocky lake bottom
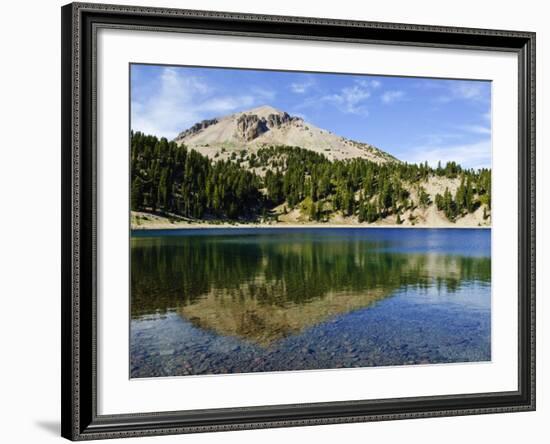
[[240, 301]]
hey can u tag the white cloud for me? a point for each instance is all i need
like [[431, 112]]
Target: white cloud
[[350, 99], [475, 155], [476, 129], [468, 90], [374, 84], [167, 108], [180, 100], [222, 105], [445, 91], [299, 114], [263, 94], [391, 96], [302, 87], [464, 90], [441, 138]]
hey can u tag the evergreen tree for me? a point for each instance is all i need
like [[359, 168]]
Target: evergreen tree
[[439, 202], [136, 201], [170, 178], [398, 220], [372, 213], [163, 190], [423, 197]]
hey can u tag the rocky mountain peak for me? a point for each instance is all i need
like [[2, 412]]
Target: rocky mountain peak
[[254, 123], [267, 126], [263, 111]]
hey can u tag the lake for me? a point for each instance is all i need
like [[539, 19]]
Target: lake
[[212, 301]]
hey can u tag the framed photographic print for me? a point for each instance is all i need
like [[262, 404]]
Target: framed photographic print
[[279, 221]]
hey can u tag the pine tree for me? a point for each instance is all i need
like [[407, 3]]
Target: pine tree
[[460, 196], [449, 205], [469, 196], [372, 213], [137, 194], [163, 192], [423, 197], [167, 177], [439, 203]]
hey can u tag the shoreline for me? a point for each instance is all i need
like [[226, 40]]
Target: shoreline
[[198, 226], [142, 221]]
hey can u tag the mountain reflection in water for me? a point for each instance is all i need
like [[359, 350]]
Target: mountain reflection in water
[[264, 287]]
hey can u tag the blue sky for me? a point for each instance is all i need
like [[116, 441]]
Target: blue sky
[[415, 119]]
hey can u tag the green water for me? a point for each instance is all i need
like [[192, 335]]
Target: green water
[[218, 301]]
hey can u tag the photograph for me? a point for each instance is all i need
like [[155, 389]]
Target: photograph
[[291, 221], [302, 219]]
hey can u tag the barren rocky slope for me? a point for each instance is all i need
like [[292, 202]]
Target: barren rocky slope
[[267, 126]]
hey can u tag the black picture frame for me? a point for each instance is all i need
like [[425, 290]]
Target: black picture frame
[[80, 22]]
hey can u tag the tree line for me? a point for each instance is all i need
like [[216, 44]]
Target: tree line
[[167, 178]]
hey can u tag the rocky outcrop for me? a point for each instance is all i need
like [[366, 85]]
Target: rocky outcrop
[[196, 128], [251, 126], [276, 120]]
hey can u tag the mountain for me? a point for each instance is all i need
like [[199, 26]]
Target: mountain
[[266, 126]]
